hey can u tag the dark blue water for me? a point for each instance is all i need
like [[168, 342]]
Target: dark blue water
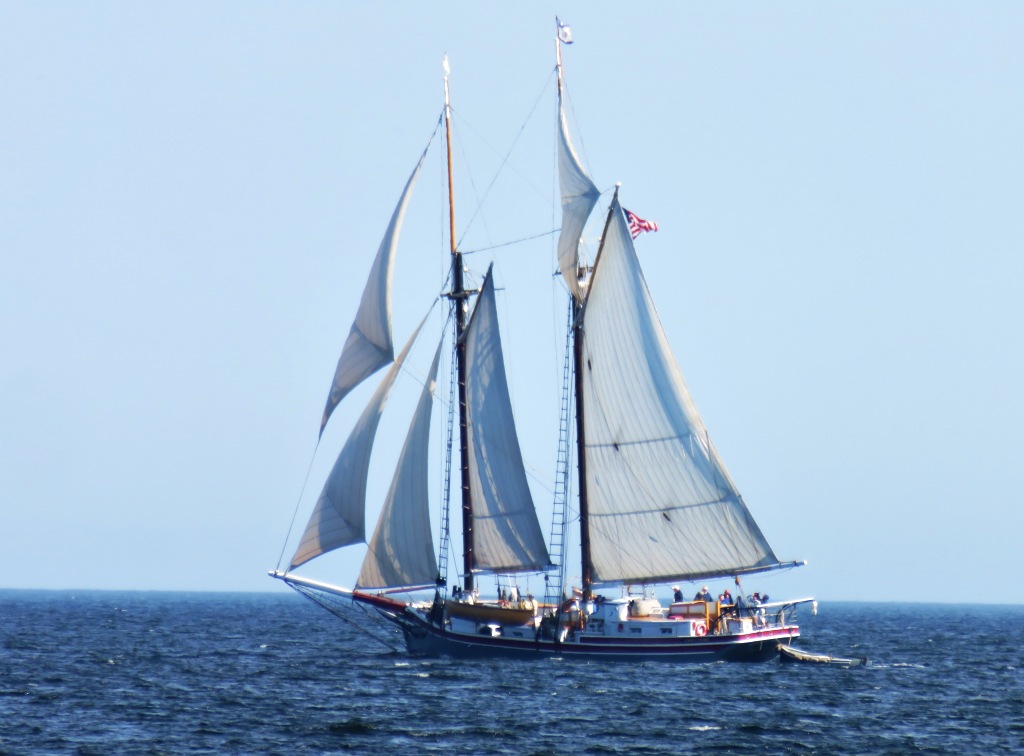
[[102, 673]]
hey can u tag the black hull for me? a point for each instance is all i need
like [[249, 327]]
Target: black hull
[[432, 641]]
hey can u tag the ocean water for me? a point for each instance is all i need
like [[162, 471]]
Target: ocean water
[[110, 672]]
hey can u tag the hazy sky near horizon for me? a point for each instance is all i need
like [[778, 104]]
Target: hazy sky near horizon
[[191, 196]]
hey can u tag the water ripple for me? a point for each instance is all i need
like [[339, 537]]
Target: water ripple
[[179, 673]]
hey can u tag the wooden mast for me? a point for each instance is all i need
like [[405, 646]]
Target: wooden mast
[[578, 368], [580, 363], [460, 297]]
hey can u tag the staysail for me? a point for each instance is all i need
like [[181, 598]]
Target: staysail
[[661, 504], [506, 534], [369, 346], [339, 518], [401, 552]]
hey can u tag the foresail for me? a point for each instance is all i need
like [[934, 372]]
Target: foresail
[[506, 534], [661, 504], [339, 518], [401, 552], [369, 346], [579, 195]]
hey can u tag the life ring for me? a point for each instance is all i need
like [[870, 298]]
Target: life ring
[[702, 629]]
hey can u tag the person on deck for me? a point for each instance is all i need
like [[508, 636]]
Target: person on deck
[[704, 595], [741, 600], [757, 612], [677, 594], [743, 603], [760, 618], [726, 598]]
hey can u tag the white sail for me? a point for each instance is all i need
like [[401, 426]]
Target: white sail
[[369, 346], [401, 552], [339, 518], [661, 504], [506, 534], [579, 195]]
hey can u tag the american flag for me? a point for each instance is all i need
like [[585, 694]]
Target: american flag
[[638, 225]]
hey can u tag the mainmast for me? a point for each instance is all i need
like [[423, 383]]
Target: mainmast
[[580, 363], [558, 58], [460, 297], [578, 295]]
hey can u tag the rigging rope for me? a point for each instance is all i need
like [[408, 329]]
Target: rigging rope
[[510, 243], [504, 161], [338, 609], [295, 514]]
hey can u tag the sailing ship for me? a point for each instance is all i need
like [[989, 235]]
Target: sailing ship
[[653, 500]]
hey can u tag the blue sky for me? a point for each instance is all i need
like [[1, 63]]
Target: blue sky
[[191, 196]]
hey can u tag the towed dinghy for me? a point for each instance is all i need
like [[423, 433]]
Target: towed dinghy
[[790, 655]]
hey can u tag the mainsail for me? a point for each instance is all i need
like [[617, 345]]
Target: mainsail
[[369, 346], [401, 552], [661, 503], [339, 518], [506, 534]]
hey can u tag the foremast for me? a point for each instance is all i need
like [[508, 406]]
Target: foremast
[[460, 299]]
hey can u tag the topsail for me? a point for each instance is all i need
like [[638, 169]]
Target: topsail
[[579, 195]]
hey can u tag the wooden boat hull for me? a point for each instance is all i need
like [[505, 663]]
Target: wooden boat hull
[[788, 655]]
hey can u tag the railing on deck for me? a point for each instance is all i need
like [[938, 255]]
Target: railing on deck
[[774, 614]]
